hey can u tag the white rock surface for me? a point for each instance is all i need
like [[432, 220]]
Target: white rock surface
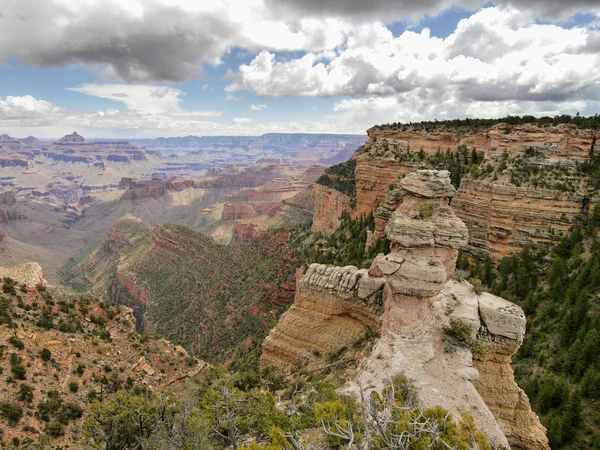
[[429, 184], [502, 317]]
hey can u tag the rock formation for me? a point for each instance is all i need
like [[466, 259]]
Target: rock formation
[[502, 212], [155, 188], [409, 298], [27, 273], [10, 158], [328, 207], [19, 146], [75, 148]]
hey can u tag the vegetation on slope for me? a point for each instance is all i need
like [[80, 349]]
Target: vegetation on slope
[[559, 362], [458, 161], [345, 246], [591, 122], [341, 178], [60, 353], [220, 410], [216, 301]]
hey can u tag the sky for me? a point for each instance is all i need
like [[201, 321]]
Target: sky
[[150, 68]]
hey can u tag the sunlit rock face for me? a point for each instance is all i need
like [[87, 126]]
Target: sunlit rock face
[[409, 298]]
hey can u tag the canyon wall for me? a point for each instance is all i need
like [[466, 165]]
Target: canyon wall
[[502, 218], [373, 178], [155, 188], [409, 298], [329, 205], [505, 205]]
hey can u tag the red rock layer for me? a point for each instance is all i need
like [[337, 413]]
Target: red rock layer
[[245, 232], [236, 211], [154, 188], [373, 178], [328, 207]]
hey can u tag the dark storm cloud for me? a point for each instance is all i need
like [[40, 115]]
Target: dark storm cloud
[[394, 10], [165, 43]]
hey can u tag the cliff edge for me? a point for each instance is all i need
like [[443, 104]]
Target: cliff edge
[[409, 298]]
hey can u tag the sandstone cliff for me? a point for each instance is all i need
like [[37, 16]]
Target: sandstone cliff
[[527, 188], [409, 298], [328, 207]]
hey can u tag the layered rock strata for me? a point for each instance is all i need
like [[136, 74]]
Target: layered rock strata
[[409, 297], [334, 307], [502, 215], [329, 205], [29, 273]]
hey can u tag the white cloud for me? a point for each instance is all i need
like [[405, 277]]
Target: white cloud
[[258, 107], [242, 120], [28, 115], [497, 54], [141, 98]]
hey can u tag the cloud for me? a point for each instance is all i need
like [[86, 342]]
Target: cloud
[[141, 41], [22, 115], [389, 11], [151, 40], [137, 97], [497, 54], [29, 111], [242, 120], [258, 107], [419, 105]]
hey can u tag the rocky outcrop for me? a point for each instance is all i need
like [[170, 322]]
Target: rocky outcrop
[[75, 148], [334, 307], [125, 292], [155, 188], [328, 207], [235, 211], [19, 146], [29, 273], [8, 198], [245, 232], [409, 297], [383, 213], [374, 176], [10, 158], [502, 216]]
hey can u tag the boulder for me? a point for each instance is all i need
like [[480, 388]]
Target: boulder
[[429, 184], [501, 317]]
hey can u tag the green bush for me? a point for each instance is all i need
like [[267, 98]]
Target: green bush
[[46, 354], [426, 211], [462, 335], [55, 429], [25, 393], [15, 342], [70, 411], [18, 370], [73, 386], [12, 412]]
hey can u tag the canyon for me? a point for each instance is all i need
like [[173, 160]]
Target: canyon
[[65, 195], [409, 298]]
